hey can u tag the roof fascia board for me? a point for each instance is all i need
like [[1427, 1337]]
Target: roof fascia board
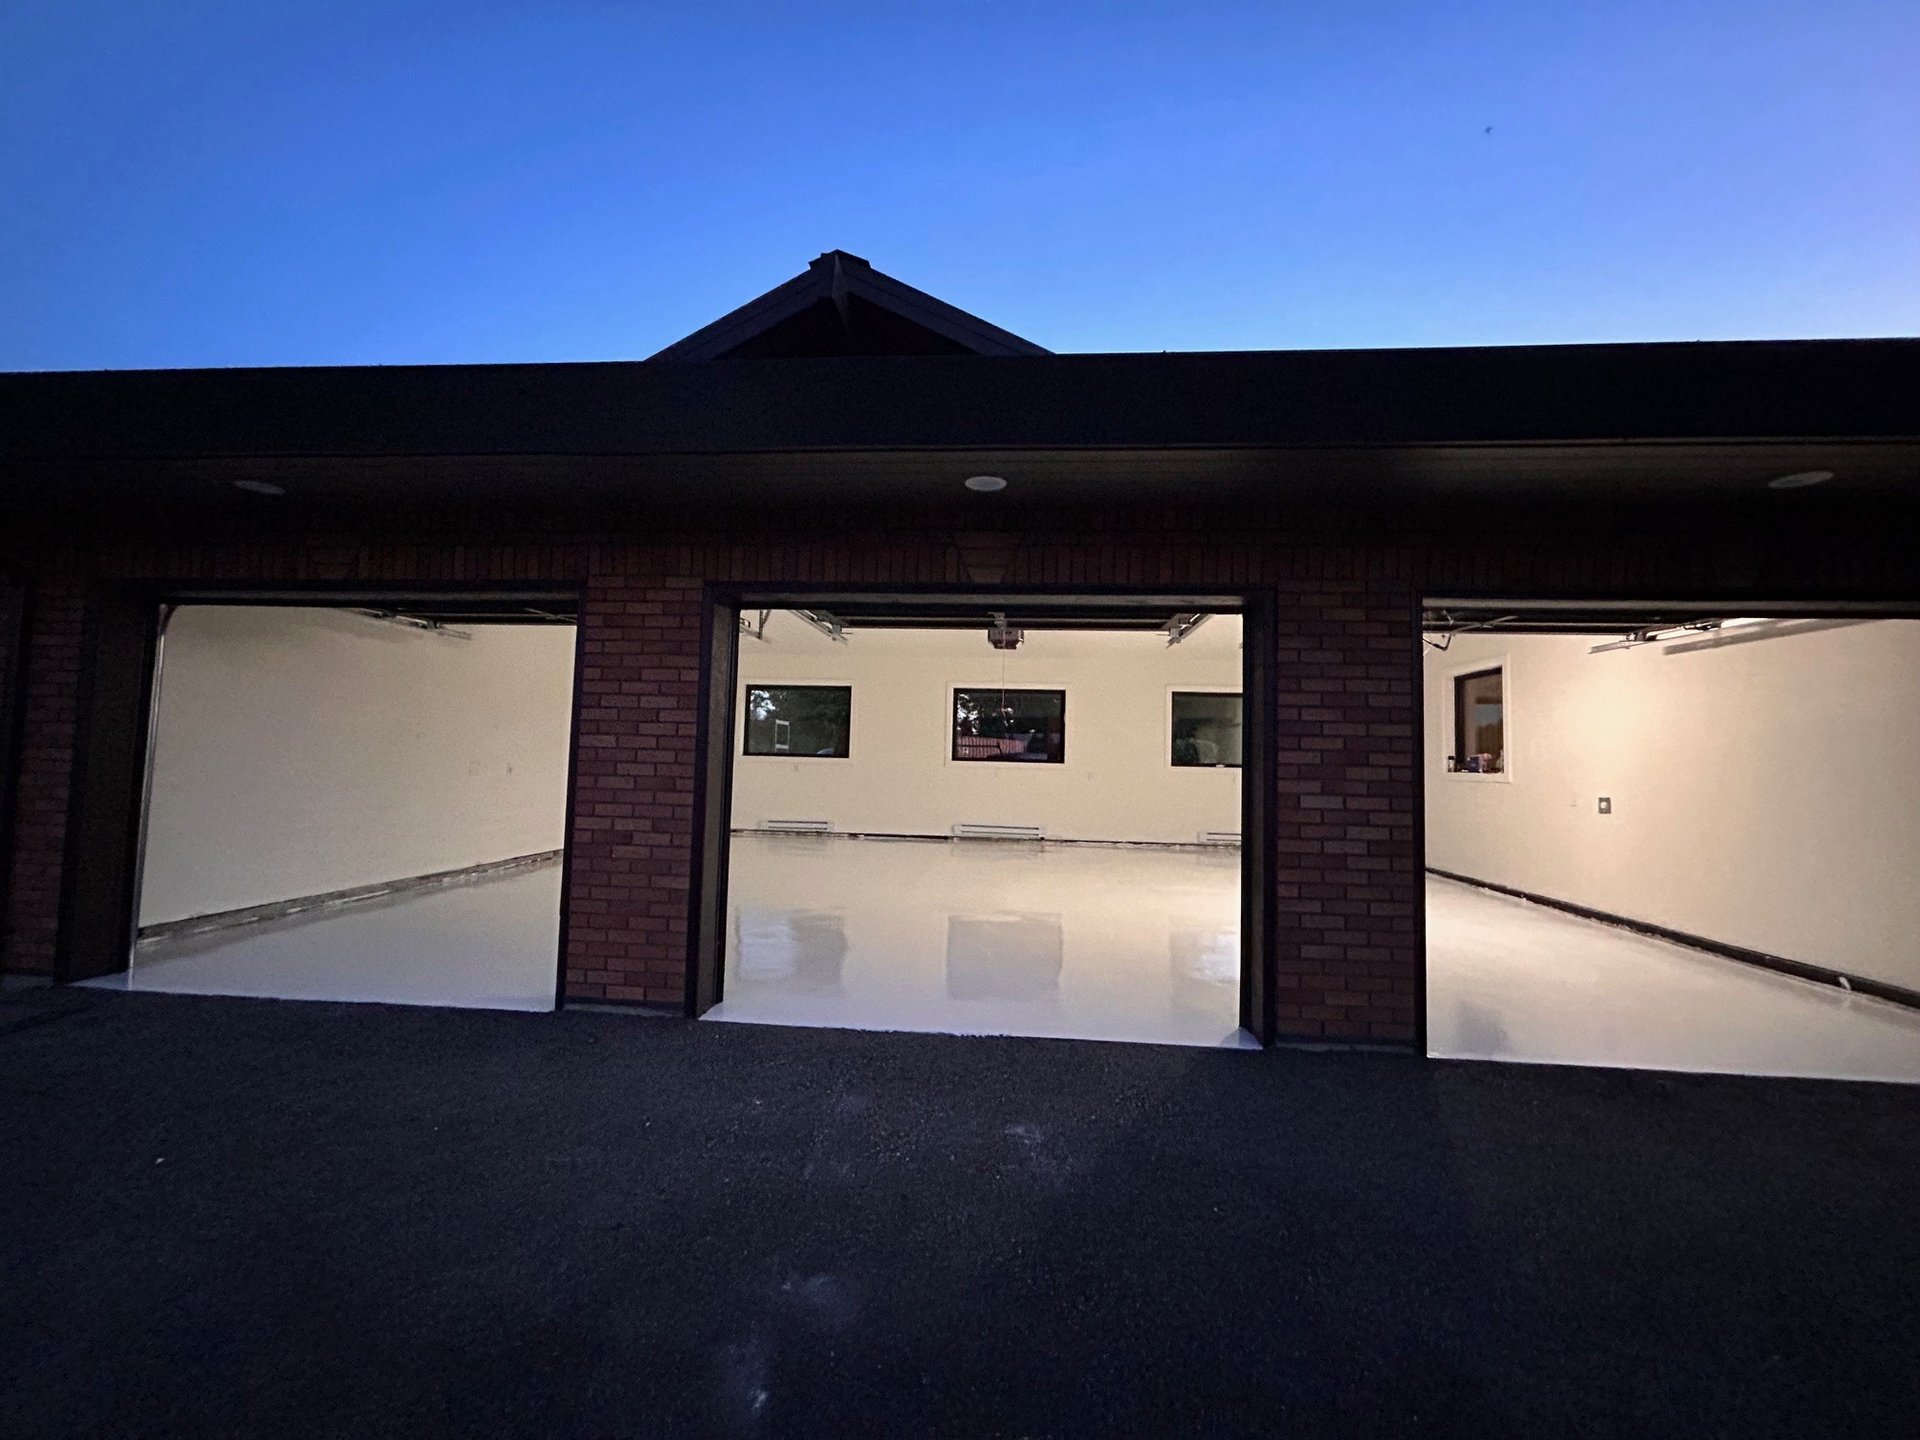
[[936, 315], [736, 327]]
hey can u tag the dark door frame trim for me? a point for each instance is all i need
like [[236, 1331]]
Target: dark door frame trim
[[100, 862], [106, 811], [714, 747], [712, 801]]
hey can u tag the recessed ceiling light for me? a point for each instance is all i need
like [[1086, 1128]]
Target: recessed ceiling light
[[985, 484], [1800, 479], [259, 487]]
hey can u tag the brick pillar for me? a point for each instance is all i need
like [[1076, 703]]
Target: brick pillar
[[633, 837], [13, 642], [1347, 860], [51, 678]]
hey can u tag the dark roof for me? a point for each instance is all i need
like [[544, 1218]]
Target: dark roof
[[846, 386], [841, 305], [1549, 395]]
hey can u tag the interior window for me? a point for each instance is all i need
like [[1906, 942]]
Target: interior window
[[1479, 723], [799, 720], [1206, 729], [1022, 726]]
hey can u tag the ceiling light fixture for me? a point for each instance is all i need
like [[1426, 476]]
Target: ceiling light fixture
[[1678, 632], [985, 484], [1800, 480], [259, 487]]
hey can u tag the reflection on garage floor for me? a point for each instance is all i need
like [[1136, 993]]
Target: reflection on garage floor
[[487, 944], [985, 937], [1509, 980]]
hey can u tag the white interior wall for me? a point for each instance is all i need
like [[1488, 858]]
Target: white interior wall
[[300, 751], [1765, 785], [1117, 782]]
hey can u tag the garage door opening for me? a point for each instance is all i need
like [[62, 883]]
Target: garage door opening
[[356, 803], [988, 820], [1673, 837]]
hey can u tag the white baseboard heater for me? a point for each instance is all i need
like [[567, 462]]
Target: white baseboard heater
[[800, 827], [974, 830]]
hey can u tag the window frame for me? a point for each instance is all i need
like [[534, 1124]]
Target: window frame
[[1175, 691], [747, 687], [954, 757], [1455, 747]]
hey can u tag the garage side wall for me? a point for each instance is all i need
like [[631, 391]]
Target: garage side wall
[[1764, 785], [303, 751]]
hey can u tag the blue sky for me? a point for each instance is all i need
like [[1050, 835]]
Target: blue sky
[[299, 182]]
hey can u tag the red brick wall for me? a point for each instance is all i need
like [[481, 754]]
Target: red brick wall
[[633, 839], [1347, 861], [50, 679], [1348, 864]]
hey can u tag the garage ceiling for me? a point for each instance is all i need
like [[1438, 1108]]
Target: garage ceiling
[[448, 608], [1618, 617]]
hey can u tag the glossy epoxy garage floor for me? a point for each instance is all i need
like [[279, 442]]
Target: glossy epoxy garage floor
[[1511, 980], [1098, 942], [486, 944], [1124, 943]]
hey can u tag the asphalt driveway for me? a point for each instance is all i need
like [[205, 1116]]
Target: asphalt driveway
[[240, 1217]]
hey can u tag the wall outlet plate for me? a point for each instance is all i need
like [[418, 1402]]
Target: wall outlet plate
[[1606, 804]]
